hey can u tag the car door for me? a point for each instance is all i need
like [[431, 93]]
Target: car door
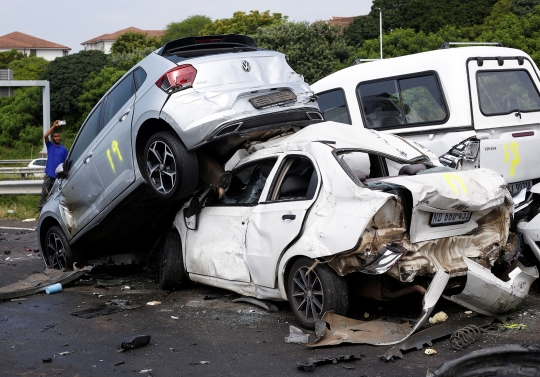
[[218, 247], [276, 222], [113, 153], [82, 195], [505, 103]]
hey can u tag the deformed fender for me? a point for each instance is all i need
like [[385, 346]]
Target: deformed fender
[[487, 294]]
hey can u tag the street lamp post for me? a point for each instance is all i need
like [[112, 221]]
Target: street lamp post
[[380, 29]]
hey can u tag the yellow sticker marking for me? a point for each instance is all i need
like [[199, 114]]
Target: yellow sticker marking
[[110, 160], [516, 160], [505, 154], [449, 177], [116, 149]]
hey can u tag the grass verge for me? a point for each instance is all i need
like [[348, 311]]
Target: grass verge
[[13, 207]]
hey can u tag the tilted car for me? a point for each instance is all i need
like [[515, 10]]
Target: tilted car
[[475, 106], [306, 209], [140, 149]]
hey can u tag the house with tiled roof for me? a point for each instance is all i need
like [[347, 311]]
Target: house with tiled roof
[[105, 41], [32, 46]]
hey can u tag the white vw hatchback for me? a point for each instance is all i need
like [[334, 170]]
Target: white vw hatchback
[[305, 210]]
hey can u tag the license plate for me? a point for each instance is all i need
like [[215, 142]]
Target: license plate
[[516, 187], [273, 99], [442, 219]]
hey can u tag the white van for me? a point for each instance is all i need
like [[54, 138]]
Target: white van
[[475, 106]]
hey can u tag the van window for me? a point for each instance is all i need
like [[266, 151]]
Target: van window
[[333, 105], [503, 92], [402, 101]]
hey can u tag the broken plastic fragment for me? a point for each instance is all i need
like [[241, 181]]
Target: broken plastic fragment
[[173, 317], [468, 312], [200, 362], [64, 353], [153, 303], [440, 317], [366, 315], [132, 342], [296, 336], [430, 351]]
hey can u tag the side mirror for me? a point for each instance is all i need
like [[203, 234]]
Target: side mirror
[[60, 172], [191, 214]]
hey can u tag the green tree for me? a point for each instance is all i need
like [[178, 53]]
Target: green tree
[[242, 23], [407, 41], [190, 26], [313, 50], [30, 68], [7, 57], [132, 41], [21, 119], [428, 16], [96, 86], [127, 60], [66, 76], [523, 7]]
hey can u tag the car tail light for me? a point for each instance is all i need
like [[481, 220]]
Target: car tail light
[[178, 78]]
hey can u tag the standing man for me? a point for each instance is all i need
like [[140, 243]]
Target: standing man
[[56, 154]]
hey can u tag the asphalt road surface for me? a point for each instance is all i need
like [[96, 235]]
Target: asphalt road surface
[[198, 331]]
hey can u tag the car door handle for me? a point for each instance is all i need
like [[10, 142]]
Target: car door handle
[[87, 158], [124, 115], [288, 216]]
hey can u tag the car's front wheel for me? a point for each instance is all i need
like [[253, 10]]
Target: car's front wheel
[[168, 167], [314, 292], [57, 252]]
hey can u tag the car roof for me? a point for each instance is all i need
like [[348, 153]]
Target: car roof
[[342, 136], [443, 60]]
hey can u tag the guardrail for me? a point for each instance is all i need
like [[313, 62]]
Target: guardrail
[[9, 162], [20, 187], [23, 172]]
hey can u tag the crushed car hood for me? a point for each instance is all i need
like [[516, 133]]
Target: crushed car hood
[[479, 192]]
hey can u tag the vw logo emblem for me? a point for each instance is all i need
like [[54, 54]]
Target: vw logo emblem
[[245, 66]]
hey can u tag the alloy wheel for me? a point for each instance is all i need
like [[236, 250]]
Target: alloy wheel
[[161, 167], [307, 294], [56, 252]]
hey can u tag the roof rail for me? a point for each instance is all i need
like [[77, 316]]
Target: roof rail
[[446, 45]]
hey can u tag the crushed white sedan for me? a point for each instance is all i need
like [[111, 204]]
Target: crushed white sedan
[[332, 211]]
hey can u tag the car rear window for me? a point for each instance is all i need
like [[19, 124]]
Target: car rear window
[[333, 105], [503, 92], [402, 102]]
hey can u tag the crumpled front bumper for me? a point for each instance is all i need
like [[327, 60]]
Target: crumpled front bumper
[[487, 294]]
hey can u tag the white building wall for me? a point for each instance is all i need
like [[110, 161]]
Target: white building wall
[[104, 46]]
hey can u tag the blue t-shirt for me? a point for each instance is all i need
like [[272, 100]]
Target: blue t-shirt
[[55, 156]]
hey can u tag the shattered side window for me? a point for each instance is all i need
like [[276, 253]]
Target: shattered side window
[[503, 92], [247, 184], [366, 167]]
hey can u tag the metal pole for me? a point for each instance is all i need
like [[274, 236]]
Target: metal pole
[[380, 28], [46, 113]]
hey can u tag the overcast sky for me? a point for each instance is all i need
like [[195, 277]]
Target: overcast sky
[[70, 22]]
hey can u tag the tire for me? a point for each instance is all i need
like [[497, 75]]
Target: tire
[[311, 296], [168, 168], [57, 252], [172, 275]]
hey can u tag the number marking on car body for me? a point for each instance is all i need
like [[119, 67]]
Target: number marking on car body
[[116, 150], [514, 148]]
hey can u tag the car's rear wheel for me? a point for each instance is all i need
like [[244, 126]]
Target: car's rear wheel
[[172, 275], [314, 292], [57, 252], [168, 167]]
